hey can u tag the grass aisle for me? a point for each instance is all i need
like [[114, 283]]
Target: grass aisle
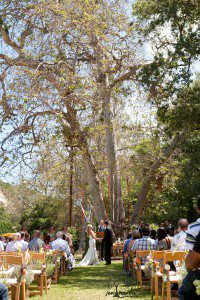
[[93, 283]]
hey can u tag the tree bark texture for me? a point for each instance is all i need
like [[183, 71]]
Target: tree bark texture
[[71, 163], [117, 212]]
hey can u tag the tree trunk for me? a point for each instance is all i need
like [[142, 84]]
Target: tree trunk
[[117, 213], [93, 179], [71, 163], [92, 176], [143, 194]]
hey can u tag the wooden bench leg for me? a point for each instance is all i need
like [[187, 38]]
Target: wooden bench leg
[[17, 291], [41, 284], [23, 290], [168, 290], [45, 282], [156, 287]]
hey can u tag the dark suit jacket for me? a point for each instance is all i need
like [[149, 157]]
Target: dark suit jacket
[[108, 238]]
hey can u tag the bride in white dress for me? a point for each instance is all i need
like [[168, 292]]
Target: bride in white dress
[[91, 255]]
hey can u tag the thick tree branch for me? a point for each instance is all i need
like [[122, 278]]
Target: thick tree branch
[[9, 42], [150, 177]]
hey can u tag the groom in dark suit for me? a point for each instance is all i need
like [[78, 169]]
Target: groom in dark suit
[[107, 240]]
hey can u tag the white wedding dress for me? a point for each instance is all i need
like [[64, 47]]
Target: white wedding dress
[[91, 256]]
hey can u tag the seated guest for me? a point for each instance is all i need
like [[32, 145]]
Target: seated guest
[[135, 236], [125, 251], [179, 240], [187, 290], [23, 242], [36, 243], [164, 242], [47, 240], [60, 244], [145, 243], [3, 292], [15, 245], [126, 242], [193, 229]]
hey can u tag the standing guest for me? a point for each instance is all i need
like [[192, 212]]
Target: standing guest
[[24, 228], [153, 234], [193, 229], [36, 243], [140, 226], [101, 228], [145, 243], [148, 226], [23, 242], [162, 224], [107, 240], [15, 245], [52, 232], [179, 240], [68, 236], [27, 237], [187, 290], [3, 292], [47, 240], [164, 242], [169, 227]]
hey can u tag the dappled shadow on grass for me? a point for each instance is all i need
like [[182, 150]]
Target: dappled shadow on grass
[[102, 278], [91, 277]]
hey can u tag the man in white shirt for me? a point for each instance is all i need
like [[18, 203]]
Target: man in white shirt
[[24, 244], [179, 240], [15, 246], [60, 244], [193, 229]]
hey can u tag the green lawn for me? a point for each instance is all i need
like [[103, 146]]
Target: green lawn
[[93, 283]]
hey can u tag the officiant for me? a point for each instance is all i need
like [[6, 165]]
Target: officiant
[[101, 228]]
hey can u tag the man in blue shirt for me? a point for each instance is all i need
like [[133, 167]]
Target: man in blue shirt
[[127, 241]]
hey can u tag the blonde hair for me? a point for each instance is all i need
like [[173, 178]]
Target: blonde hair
[[89, 226]]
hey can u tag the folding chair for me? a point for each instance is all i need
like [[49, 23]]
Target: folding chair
[[8, 261], [179, 257], [139, 277], [157, 256], [41, 274]]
